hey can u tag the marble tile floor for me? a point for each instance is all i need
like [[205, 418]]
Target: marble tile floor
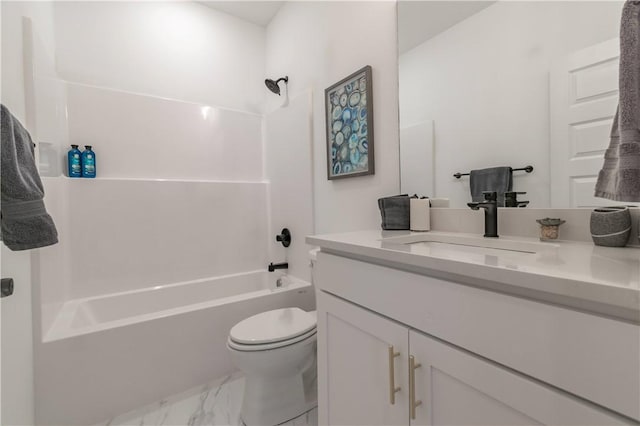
[[214, 404]]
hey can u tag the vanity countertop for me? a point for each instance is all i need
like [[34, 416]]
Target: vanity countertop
[[580, 275]]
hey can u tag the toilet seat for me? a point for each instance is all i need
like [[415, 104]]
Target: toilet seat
[[269, 346], [272, 329]]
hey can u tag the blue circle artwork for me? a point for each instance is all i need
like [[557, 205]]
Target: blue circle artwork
[[354, 156], [346, 131], [337, 168], [364, 146], [347, 124], [353, 141]]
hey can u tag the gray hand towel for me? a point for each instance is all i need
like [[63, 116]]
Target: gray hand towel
[[498, 179], [619, 178], [24, 220], [395, 212]]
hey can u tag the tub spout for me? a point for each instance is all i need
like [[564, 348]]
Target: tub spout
[[273, 266]]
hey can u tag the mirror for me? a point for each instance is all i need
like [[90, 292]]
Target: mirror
[[505, 83]]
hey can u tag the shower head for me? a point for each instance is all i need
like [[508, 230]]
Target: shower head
[[273, 85]]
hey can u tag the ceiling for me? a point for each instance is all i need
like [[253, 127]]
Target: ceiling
[[419, 21], [257, 12]]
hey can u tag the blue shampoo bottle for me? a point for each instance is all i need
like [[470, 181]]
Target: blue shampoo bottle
[[74, 162], [88, 162]]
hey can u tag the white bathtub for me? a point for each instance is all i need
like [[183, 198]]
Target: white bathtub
[[152, 342], [91, 314]]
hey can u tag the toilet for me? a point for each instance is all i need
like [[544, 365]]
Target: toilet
[[276, 351]]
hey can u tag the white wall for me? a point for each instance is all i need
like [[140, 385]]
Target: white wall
[[288, 164], [485, 84], [41, 14], [137, 136], [17, 403], [157, 89], [128, 234], [317, 44], [179, 50], [173, 50]]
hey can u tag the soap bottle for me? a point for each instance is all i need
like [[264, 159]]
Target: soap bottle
[[74, 162], [88, 162]]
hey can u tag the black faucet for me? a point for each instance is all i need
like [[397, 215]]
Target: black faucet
[[490, 206], [274, 266]]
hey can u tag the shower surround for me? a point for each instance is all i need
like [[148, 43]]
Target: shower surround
[[158, 257]]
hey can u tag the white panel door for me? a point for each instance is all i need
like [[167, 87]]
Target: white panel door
[[355, 371], [458, 388], [583, 102]]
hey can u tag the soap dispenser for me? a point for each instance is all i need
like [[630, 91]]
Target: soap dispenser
[[88, 162], [74, 162]]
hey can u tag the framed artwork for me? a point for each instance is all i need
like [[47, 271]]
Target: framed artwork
[[349, 113]]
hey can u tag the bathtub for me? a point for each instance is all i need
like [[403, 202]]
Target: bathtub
[[106, 355], [92, 314]]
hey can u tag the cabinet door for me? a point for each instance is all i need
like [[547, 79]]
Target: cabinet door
[[458, 388], [355, 370]]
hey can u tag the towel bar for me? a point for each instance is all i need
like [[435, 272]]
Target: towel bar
[[527, 169]]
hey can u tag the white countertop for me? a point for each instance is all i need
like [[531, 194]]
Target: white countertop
[[580, 275]]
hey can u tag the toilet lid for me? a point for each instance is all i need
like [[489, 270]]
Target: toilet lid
[[273, 326]]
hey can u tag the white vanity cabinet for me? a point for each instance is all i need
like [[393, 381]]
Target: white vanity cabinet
[[365, 358], [368, 339], [356, 353], [458, 388]]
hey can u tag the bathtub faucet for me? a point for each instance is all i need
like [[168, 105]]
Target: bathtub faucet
[[274, 266]]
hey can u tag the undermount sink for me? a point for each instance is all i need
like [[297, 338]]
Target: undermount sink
[[513, 244]]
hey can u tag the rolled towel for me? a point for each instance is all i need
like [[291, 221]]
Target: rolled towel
[[619, 178], [395, 212], [498, 179], [24, 220]]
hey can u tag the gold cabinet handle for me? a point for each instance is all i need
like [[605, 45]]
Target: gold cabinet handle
[[392, 375], [412, 387]]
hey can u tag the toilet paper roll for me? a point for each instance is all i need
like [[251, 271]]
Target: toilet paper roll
[[419, 214]]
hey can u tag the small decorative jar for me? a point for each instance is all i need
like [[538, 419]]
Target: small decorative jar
[[549, 228], [611, 226]]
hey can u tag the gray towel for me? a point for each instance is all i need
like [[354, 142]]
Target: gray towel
[[25, 222], [619, 178], [498, 179], [395, 212]]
